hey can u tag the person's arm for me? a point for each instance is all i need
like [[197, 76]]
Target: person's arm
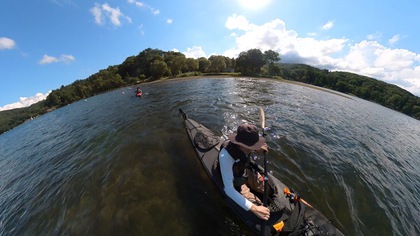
[[226, 163]]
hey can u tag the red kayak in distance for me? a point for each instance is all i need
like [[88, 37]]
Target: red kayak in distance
[[139, 93]]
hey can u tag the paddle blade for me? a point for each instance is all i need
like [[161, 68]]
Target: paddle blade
[[262, 118]]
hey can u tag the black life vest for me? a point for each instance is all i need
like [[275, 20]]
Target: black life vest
[[241, 163]]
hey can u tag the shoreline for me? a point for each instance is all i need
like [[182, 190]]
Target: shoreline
[[162, 80], [185, 78]]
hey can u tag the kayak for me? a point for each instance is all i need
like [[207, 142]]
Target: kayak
[[289, 214], [139, 93]]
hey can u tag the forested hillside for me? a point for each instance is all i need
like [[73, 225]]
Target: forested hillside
[[12, 118], [154, 64], [370, 89]]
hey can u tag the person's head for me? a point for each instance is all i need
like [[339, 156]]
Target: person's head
[[247, 137]]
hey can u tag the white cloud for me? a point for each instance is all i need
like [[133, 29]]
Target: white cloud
[[141, 30], [67, 58], [328, 25], [169, 21], [25, 101], [6, 43], [396, 66], [103, 12], [369, 58], [194, 52], [97, 13], [62, 2], [143, 5], [139, 4], [51, 59], [375, 36], [237, 22], [394, 39], [274, 35], [48, 60], [113, 13]]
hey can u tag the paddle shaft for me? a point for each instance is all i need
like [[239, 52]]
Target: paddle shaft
[[262, 119]]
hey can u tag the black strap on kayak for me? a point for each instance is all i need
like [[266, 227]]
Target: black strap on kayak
[[295, 219], [204, 140], [296, 224]]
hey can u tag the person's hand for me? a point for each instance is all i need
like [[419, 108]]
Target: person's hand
[[264, 148], [261, 212]]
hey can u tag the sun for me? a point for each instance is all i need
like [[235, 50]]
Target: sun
[[253, 4]]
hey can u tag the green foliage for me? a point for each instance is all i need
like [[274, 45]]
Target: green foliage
[[15, 117], [191, 65], [271, 56], [158, 68], [274, 70], [203, 64], [217, 64], [176, 61], [250, 62]]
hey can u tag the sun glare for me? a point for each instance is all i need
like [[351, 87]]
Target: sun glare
[[253, 4]]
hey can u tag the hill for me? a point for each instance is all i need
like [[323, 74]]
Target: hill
[[367, 88]]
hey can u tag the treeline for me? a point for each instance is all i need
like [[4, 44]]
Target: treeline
[[154, 64], [12, 118], [385, 94]]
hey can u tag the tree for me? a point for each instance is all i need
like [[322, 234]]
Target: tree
[[250, 62], [256, 59], [274, 69], [53, 99], [271, 56], [191, 64], [129, 67], [230, 64], [203, 63], [145, 58], [217, 64], [158, 68], [175, 61]]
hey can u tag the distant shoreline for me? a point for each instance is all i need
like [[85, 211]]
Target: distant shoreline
[[188, 78], [239, 76]]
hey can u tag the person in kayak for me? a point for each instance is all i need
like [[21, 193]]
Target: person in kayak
[[139, 93], [234, 157]]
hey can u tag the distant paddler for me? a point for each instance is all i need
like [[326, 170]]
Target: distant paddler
[[139, 93]]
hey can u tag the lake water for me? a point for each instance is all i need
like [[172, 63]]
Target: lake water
[[115, 164]]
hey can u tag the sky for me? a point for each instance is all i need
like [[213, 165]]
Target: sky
[[46, 44]]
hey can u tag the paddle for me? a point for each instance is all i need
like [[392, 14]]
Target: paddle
[[262, 122]]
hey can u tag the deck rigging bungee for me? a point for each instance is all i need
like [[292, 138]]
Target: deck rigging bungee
[[289, 214]]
